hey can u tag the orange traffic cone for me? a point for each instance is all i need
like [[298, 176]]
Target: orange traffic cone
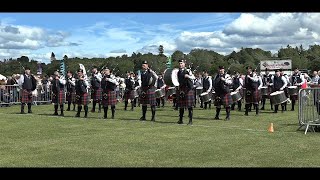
[[270, 129]]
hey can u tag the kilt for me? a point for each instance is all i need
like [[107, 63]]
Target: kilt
[[109, 98], [96, 94], [254, 97], [71, 96], [149, 98], [59, 97], [188, 99], [26, 96], [223, 99], [129, 94], [82, 99]]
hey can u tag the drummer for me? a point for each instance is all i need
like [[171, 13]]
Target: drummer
[[251, 83], [221, 84], [296, 79], [237, 83], [266, 80], [286, 88], [197, 83], [160, 85], [207, 87], [278, 83]]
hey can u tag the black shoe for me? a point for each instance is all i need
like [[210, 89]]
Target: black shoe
[[68, 109], [92, 110], [62, 114], [246, 114], [227, 119], [77, 115], [189, 123], [29, 111], [262, 108], [142, 118], [55, 114], [22, 112], [180, 122], [85, 116], [153, 119], [275, 111], [216, 118]]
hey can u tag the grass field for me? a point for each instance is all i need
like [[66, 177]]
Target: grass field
[[42, 140]]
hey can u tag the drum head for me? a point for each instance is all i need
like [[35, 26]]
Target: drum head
[[174, 77], [264, 87], [199, 87], [292, 87], [203, 94], [170, 88], [232, 93]]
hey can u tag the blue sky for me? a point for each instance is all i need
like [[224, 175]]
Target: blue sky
[[36, 35]]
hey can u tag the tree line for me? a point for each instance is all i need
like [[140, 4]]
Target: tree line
[[197, 59]]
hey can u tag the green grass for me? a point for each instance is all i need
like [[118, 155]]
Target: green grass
[[42, 140]]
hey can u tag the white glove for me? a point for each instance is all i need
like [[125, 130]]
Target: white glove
[[281, 89], [259, 88]]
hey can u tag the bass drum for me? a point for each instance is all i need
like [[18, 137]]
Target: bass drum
[[171, 77]]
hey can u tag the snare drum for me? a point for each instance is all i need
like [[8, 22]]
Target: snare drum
[[171, 91], [278, 97], [158, 93], [235, 96], [199, 90], [205, 97], [292, 90], [264, 91]]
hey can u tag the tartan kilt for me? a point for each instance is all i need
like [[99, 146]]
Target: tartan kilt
[[71, 96], [149, 98], [223, 99], [82, 99], [109, 98], [129, 94], [188, 99], [254, 97], [58, 98], [96, 94], [26, 96]]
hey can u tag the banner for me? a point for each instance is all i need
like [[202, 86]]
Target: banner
[[276, 64]]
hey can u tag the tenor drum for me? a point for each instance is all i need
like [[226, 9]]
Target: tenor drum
[[171, 91], [264, 91], [235, 96], [205, 97], [171, 77], [199, 90], [292, 90], [158, 93], [278, 97]]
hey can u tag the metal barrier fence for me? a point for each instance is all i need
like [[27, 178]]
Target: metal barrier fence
[[309, 108], [10, 95]]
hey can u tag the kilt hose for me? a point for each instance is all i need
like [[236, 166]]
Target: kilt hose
[[187, 99], [71, 96], [129, 94], [149, 96], [58, 97], [96, 94], [252, 96], [26, 96], [82, 99], [223, 99], [109, 97]]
